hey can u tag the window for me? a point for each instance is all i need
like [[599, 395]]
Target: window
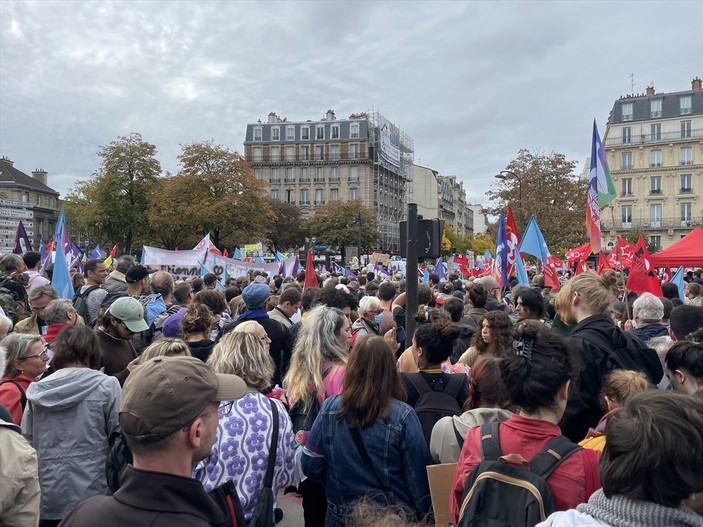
[[626, 215], [655, 215], [304, 175], [319, 175], [304, 153], [257, 154], [655, 158], [305, 133], [274, 176], [275, 133], [656, 240], [354, 151], [289, 176], [626, 135], [319, 152], [258, 133], [655, 185], [685, 129], [335, 131], [257, 175], [353, 194], [626, 160], [353, 174], [334, 175], [275, 153], [334, 194], [290, 196], [686, 211], [354, 131], [655, 130], [319, 196], [686, 155], [627, 186], [655, 108], [684, 104], [319, 132], [290, 153], [304, 199], [626, 111], [290, 133], [274, 193], [686, 183], [334, 152]]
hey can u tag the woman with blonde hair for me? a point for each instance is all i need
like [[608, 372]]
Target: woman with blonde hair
[[242, 446], [585, 301], [165, 347], [26, 360], [618, 387], [316, 372]]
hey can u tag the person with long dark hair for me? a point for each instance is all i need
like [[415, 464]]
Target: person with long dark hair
[[367, 442]]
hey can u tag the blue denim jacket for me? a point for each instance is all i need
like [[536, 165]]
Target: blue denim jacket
[[397, 450]]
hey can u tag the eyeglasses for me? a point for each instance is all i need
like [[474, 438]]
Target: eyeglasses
[[43, 355], [225, 408]]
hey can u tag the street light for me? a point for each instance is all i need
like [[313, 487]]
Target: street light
[[504, 174]]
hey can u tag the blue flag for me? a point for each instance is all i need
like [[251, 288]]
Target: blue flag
[[441, 269], [520, 270], [237, 254], [96, 253], [279, 257], [533, 242], [678, 280], [426, 276], [500, 264], [61, 278]]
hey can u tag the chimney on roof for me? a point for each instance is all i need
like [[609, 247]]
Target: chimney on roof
[[329, 116], [273, 117], [7, 160], [696, 84], [40, 175], [650, 89]]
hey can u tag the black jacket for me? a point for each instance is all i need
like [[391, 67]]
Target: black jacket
[[601, 347], [150, 498]]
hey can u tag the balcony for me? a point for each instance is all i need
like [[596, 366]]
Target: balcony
[[663, 223], [664, 137], [306, 158], [686, 190]]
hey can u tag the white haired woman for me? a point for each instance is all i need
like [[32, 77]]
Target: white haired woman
[[242, 446], [370, 318]]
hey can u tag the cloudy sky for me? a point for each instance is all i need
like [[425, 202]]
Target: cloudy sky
[[470, 82]]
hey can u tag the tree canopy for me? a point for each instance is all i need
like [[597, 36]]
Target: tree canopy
[[287, 229], [544, 186]]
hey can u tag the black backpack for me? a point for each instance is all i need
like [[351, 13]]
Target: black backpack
[[436, 401], [499, 492], [80, 302]]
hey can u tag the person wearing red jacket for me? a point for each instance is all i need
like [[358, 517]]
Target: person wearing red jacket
[[538, 380]]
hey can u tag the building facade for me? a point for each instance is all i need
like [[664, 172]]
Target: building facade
[[425, 191], [480, 218], [27, 199], [654, 145], [453, 208], [311, 163]]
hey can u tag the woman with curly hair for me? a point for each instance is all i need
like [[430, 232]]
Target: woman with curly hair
[[242, 445], [196, 326], [493, 338]]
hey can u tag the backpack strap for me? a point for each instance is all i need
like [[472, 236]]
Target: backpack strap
[[23, 395], [551, 456], [419, 382], [490, 442], [361, 448], [268, 479], [459, 439], [455, 383]]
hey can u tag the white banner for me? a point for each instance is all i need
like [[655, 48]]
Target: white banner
[[181, 264], [235, 268], [390, 142]]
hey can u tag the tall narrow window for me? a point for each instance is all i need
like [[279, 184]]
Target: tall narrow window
[[319, 132], [304, 153], [334, 175], [275, 133], [275, 153], [290, 196], [655, 129], [656, 240], [289, 175], [258, 157], [304, 175], [626, 135], [685, 104], [305, 133], [274, 193], [686, 183], [319, 196], [334, 194], [304, 198], [655, 215], [655, 158], [353, 174], [685, 129], [626, 111], [626, 161], [626, 216], [627, 186], [353, 194], [354, 131], [274, 176], [686, 155], [290, 133], [257, 133], [686, 213], [353, 151], [319, 152], [319, 175], [655, 108], [335, 131], [290, 153], [655, 185], [334, 152]]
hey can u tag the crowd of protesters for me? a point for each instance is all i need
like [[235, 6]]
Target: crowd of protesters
[[149, 400]]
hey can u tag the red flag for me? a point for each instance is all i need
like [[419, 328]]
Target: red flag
[[579, 254], [113, 252], [643, 278], [310, 276], [551, 277], [556, 262], [603, 263], [462, 262], [225, 253], [512, 237], [581, 267]]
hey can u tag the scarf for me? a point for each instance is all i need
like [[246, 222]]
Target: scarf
[[253, 314], [620, 511]]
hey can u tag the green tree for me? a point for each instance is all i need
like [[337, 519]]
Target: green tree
[[456, 241], [336, 224], [633, 236], [111, 207], [224, 197], [287, 229], [544, 186], [483, 242]]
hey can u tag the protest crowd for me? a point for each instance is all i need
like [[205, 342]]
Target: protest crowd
[[150, 399]]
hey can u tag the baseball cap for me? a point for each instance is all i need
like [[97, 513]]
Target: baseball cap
[[254, 295], [165, 394], [136, 273], [129, 311]]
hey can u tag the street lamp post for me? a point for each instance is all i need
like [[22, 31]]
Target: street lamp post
[[504, 175]]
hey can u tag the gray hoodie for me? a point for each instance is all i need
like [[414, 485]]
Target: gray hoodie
[[69, 417]]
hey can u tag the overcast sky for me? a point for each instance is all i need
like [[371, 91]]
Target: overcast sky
[[470, 82]]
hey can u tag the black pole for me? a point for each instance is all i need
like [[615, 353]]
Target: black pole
[[411, 273]]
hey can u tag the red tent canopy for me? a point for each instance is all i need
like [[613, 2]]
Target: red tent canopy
[[688, 251]]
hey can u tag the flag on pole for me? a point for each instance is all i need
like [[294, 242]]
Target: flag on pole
[[601, 190], [310, 276], [678, 280], [111, 256], [500, 264], [237, 254], [41, 246], [95, 253], [441, 270], [61, 278], [211, 247], [426, 276], [22, 243], [533, 243], [520, 270], [513, 239], [642, 277], [578, 254], [603, 263]]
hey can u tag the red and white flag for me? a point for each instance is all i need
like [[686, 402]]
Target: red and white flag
[[512, 238], [643, 277]]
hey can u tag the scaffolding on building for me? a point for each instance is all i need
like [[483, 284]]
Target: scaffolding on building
[[391, 182]]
